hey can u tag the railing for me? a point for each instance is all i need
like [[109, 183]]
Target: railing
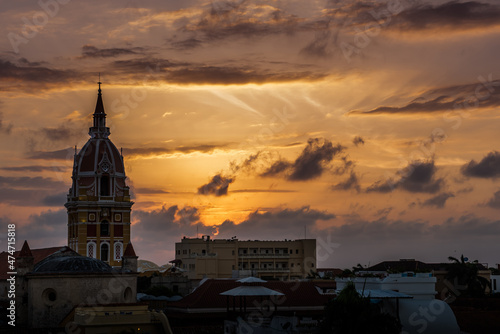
[[281, 270], [263, 255]]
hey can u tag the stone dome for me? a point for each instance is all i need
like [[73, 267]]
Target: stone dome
[[68, 261]]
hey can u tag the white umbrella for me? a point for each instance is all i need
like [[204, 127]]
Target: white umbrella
[[245, 290], [251, 280]]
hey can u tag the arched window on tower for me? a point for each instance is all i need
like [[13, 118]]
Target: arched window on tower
[[104, 252], [104, 228], [118, 251], [91, 250], [105, 185]]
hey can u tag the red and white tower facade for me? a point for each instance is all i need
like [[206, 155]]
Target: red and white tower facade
[[98, 202]]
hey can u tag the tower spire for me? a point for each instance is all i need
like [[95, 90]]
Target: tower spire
[[99, 129], [99, 82]]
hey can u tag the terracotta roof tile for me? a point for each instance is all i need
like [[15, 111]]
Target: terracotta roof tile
[[297, 293]]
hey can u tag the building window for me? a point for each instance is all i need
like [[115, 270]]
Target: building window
[[118, 251], [296, 251], [232, 252], [184, 251], [104, 185], [178, 252], [291, 265], [128, 295], [91, 247], [312, 265], [49, 296], [104, 228], [203, 252], [104, 252]]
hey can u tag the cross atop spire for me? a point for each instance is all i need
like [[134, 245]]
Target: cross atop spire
[[99, 82]]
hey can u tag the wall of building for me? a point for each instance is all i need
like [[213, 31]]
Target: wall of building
[[226, 258], [52, 297], [422, 286]]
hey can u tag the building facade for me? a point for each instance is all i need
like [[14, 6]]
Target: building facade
[[225, 258], [98, 202]]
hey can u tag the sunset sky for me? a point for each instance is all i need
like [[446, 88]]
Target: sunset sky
[[369, 125]]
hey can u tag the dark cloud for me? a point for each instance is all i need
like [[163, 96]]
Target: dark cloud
[[152, 151], [30, 182], [183, 73], [5, 127], [224, 19], [263, 191], [90, 51], [20, 197], [64, 154], [57, 200], [439, 200], [24, 76], [346, 165], [149, 191], [275, 223], [458, 98], [494, 202], [278, 168], [220, 75], [351, 183], [310, 164], [189, 43], [30, 191], [35, 168], [217, 186], [153, 230], [148, 65], [47, 229], [358, 140], [453, 15], [488, 167], [417, 177]]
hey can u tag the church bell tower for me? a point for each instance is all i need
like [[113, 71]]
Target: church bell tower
[[98, 202]]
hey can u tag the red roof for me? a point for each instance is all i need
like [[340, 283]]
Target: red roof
[[38, 255], [297, 293]]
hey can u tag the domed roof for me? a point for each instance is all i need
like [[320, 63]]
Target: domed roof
[[100, 154], [68, 261]]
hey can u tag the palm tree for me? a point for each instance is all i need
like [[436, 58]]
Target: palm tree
[[351, 313], [465, 278]]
